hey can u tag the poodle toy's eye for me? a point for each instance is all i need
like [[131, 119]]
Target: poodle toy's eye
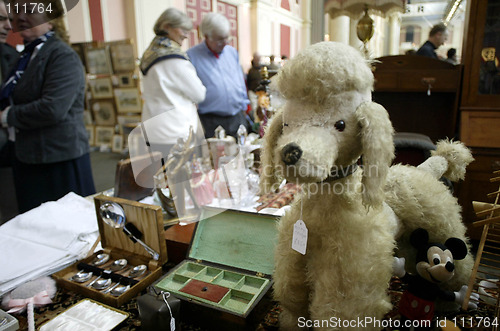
[[340, 125], [285, 124]]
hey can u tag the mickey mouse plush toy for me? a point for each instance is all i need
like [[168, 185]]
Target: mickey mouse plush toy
[[434, 266]]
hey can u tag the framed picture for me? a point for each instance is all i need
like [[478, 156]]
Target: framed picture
[[104, 112], [97, 60], [78, 48], [127, 122], [122, 56], [117, 146], [124, 80], [104, 135], [101, 88], [90, 133], [87, 117], [128, 100]]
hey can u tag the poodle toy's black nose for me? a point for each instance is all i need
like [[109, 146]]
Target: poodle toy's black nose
[[449, 266], [291, 153]]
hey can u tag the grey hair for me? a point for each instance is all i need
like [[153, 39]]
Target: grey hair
[[174, 18], [214, 23]]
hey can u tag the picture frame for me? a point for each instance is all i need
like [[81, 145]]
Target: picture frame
[[117, 146], [101, 88], [97, 60], [104, 135], [122, 57], [79, 49], [128, 100], [87, 117], [91, 135], [124, 80], [103, 111], [125, 122]]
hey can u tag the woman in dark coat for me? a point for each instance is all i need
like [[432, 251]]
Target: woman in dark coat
[[43, 104]]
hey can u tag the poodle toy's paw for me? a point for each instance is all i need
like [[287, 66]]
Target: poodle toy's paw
[[398, 266], [460, 297]]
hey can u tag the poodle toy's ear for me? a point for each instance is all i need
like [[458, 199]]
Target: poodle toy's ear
[[457, 247], [268, 178], [378, 150], [419, 238]]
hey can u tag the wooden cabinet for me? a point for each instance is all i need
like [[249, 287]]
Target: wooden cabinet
[[480, 104], [420, 94]]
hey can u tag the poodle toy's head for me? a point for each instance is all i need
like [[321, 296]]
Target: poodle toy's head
[[328, 122]]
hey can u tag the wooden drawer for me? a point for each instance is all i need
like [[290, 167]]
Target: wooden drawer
[[480, 128]]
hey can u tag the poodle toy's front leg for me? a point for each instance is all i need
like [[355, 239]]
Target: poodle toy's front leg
[[290, 287]]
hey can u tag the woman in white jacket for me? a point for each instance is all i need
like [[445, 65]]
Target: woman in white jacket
[[171, 86]]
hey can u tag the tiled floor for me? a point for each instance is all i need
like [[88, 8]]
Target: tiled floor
[[103, 170]]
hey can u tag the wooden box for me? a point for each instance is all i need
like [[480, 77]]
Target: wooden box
[[224, 280], [148, 220]]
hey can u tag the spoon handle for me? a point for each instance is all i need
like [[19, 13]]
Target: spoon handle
[[111, 288], [92, 282]]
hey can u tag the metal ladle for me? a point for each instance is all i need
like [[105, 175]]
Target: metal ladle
[[114, 215]]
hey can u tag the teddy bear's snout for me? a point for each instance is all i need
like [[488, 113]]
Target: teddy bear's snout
[[291, 154]]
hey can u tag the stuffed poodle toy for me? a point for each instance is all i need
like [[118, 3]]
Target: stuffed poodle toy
[[331, 138], [326, 125]]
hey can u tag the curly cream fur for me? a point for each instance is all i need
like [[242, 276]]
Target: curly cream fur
[[327, 78], [458, 157], [348, 263], [420, 200]]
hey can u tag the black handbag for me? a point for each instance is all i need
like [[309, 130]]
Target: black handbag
[[158, 310]]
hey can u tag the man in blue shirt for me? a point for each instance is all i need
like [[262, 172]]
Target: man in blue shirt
[[437, 37], [218, 66]]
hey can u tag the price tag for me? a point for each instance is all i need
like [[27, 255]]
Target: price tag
[[299, 239]]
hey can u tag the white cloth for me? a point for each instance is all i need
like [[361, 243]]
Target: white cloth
[[46, 239], [171, 87]]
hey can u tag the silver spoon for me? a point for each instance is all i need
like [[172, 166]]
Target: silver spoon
[[118, 265], [101, 259], [82, 276], [120, 290], [101, 284], [115, 266], [114, 215], [138, 271]]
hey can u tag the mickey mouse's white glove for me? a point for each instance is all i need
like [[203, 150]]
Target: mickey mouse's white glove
[[398, 266], [460, 297]]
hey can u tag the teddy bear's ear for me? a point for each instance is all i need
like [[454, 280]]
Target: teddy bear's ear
[[376, 134], [457, 247], [268, 179]]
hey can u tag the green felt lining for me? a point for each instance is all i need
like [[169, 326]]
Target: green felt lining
[[243, 289], [236, 239]]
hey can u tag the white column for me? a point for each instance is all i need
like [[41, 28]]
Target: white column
[[339, 29], [317, 11], [394, 32], [306, 24]]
